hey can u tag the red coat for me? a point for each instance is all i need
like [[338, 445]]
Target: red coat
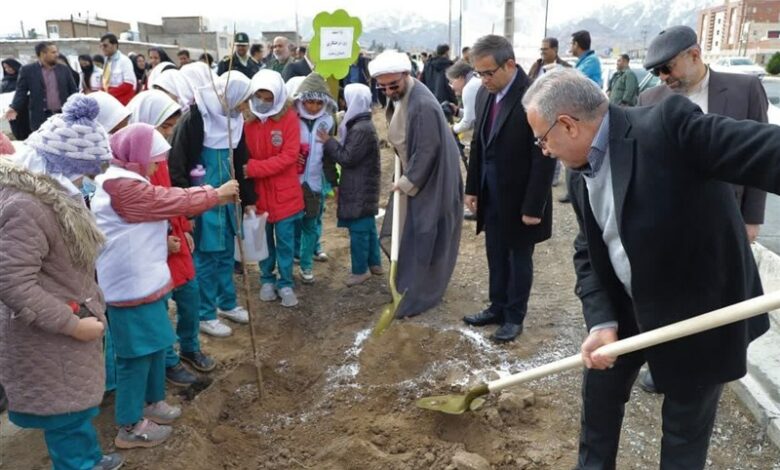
[[180, 264], [273, 154], [123, 93]]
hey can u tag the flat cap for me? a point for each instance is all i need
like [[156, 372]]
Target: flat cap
[[668, 44], [241, 38]]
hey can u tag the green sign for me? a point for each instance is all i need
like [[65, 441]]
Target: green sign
[[334, 46]]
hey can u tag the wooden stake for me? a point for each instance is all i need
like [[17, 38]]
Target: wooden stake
[[238, 211]]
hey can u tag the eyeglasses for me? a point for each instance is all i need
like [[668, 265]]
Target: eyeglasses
[[667, 68], [487, 73], [392, 86], [541, 142]]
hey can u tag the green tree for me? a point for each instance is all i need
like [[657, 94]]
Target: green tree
[[773, 66]]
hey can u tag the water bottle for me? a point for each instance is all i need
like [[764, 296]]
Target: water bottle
[[198, 175], [303, 155]]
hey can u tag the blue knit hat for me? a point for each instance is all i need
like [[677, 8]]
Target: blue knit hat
[[73, 143]]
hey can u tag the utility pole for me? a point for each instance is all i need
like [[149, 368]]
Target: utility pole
[[449, 25], [546, 11], [24, 34], [509, 21]]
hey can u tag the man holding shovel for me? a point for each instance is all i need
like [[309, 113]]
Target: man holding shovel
[[661, 240], [430, 209]]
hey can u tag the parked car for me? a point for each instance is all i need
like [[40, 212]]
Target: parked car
[[772, 88], [738, 65], [649, 81]]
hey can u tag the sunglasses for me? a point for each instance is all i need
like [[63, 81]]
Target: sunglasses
[[667, 68], [392, 86], [541, 142]]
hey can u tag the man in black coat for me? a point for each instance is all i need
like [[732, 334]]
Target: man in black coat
[[661, 240], [675, 57], [435, 75], [300, 68], [42, 87], [508, 186]]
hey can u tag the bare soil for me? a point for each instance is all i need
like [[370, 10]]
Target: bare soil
[[337, 399]]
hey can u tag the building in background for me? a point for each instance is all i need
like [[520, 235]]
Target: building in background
[[187, 32], [84, 27], [748, 28]]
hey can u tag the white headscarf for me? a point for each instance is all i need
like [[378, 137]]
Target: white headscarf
[[173, 82], [292, 85], [271, 81], [215, 122], [198, 74], [111, 110], [389, 62], [358, 98], [152, 107]]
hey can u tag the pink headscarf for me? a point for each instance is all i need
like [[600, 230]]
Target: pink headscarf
[[137, 145]]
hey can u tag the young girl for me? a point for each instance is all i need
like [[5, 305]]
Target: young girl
[[274, 141], [358, 155], [134, 276], [315, 109], [52, 314], [158, 109], [201, 138]]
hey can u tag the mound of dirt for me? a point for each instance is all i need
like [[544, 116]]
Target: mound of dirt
[[407, 350]]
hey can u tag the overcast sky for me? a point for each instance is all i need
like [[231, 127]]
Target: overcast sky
[[35, 13]]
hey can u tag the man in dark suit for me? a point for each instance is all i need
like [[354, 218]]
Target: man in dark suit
[[508, 186], [300, 68], [42, 87], [661, 240], [675, 57]]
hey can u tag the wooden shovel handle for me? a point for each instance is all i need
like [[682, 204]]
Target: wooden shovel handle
[[706, 321], [395, 239]]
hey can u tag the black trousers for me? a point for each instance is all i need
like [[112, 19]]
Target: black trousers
[[511, 270], [688, 418]]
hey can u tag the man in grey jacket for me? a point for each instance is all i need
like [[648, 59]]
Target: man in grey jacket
[[675, 57]]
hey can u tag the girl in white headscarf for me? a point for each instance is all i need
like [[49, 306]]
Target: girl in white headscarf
[[201, 145], [358, 202], [198, 75], [169, 79], [156, 108], [274, 142]]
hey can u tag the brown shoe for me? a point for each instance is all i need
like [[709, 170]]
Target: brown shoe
[[376, 270], [355, 279]]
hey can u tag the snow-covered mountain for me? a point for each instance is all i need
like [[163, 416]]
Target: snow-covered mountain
[[621, 28]]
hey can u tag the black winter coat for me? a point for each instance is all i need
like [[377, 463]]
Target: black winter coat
[[360, 171], [435, 79]]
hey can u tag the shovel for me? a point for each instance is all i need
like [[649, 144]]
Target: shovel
[[457, 404], [388, 311]]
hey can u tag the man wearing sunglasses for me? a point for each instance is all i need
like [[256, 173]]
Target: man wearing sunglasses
[[660, 240], [431, 189], [508, 186], [675, 57]]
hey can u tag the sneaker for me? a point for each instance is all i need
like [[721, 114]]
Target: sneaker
[[178, 375], [237, 314], [321, 257], [144, 434], [376, 270], [288, 297], [215, 328], [198, 361], [307, 277], [268, 292], [161, 412], [110, 462], [355, 279]]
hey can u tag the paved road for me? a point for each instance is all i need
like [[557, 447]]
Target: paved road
[[770, 232]]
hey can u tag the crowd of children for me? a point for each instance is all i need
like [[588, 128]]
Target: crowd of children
[[157, 179]]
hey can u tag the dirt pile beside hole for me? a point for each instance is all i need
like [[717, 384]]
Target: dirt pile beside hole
[[406, 351]]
